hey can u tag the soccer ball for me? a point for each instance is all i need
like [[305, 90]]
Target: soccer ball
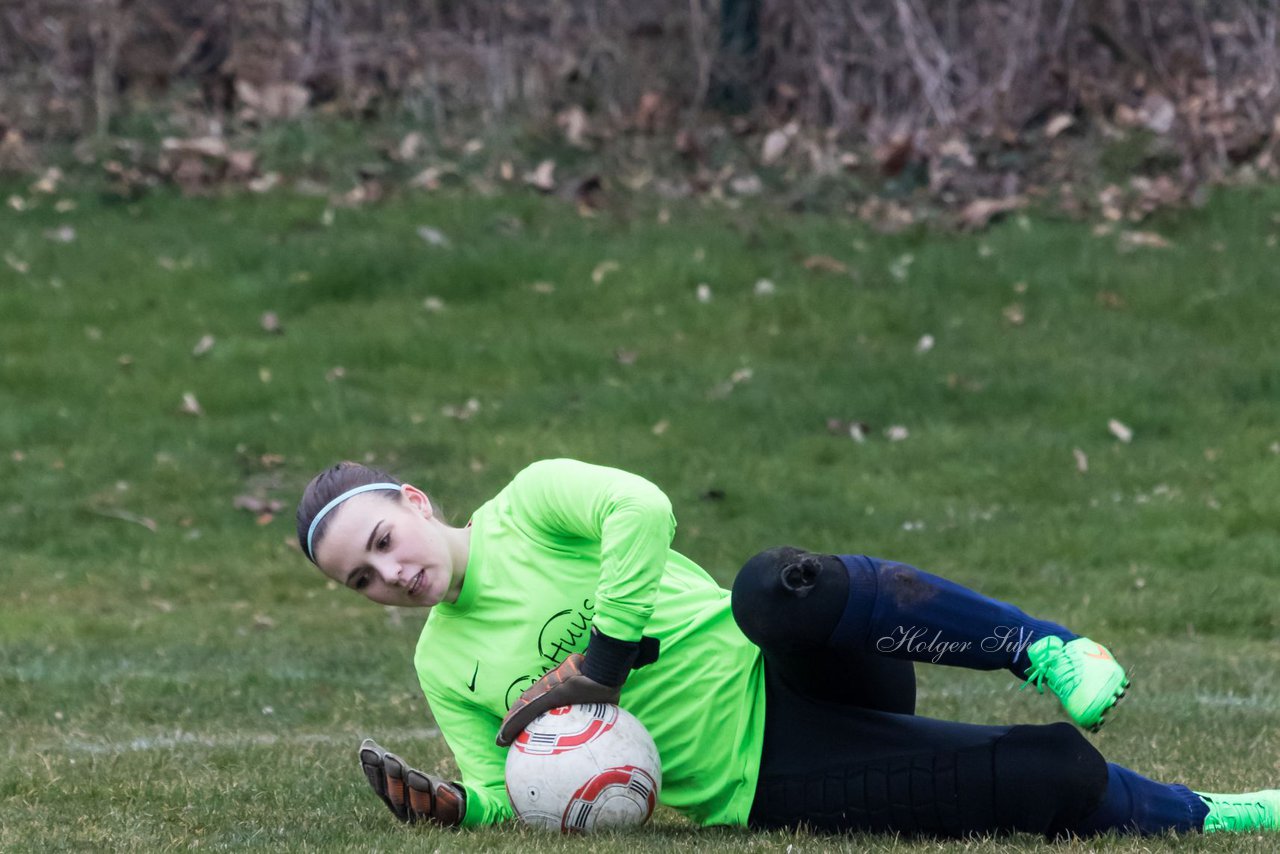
[[584, 768]]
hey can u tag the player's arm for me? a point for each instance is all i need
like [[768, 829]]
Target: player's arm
[[469, 731], [631, 520]]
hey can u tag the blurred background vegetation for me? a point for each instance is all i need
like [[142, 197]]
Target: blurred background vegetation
[[894, 110]]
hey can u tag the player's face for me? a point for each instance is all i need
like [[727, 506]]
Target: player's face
[[392, 551]]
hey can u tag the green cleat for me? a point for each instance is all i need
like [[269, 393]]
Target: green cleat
[[1244, 813], [1083, 675]]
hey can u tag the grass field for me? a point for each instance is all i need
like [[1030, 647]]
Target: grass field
[[174, 675]]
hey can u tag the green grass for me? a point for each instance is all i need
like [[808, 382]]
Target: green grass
[[196, 685]]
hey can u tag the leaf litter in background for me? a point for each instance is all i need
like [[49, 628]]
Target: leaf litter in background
[[204, 345], [604, 268], [824, 264], [776, 142], [724, 389], [543, 176], [257, 504], [190, 406], [1082, 460], [900, 267], [463, 412], [1120, 430], [61, 234], [979, 213], [764, 288], [703, 293], [433, 236], [925, 344], [270, 323], [1142, 239]]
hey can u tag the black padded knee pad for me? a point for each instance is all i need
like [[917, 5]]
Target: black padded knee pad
[[1047, 778], [787, 599]]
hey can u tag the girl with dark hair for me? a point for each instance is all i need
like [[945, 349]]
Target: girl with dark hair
[[786, 702]]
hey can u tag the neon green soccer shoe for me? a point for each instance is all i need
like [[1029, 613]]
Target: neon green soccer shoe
[[1083, 674], [1247, 812]]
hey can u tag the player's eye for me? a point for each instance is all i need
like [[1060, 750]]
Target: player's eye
[[385, 542]]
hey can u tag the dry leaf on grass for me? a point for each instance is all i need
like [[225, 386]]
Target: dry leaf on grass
[[270, 323], [1120, 431], [776, 142], [433, 236], [572, 122], [190, 406], [256, 504], [543, 177], [824, 264], [724, 389], [464, 412], [1143, 239], [603, 269], [124, 515], [1058, 124], [204, 345], [978, 213], [409, 146], [1082, 460], [427, 179]]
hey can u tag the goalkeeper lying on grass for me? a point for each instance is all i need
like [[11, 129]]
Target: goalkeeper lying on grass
[[787, 702]]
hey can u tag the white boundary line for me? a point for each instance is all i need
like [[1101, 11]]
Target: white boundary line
[[179, 739]]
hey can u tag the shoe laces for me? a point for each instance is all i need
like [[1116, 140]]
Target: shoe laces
[[1234, 813], [1059, 669]]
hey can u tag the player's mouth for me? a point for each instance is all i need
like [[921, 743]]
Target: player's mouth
[[416, 583]]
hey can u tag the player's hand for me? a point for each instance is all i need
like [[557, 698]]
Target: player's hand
[[593, 677], [564, 686], [411, 795]]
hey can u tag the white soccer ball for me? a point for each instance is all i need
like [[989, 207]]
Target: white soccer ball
[[584, 768]]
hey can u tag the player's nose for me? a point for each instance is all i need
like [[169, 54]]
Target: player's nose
[[390, 570]]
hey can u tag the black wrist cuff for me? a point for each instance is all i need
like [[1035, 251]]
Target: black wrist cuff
[[609, 660]]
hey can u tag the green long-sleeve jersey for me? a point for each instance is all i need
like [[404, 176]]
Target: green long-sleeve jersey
[[567, 544]]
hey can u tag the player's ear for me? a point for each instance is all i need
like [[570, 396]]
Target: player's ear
[[418, 499]]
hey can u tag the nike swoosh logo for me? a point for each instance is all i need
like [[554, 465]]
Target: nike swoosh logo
[[472, 686]]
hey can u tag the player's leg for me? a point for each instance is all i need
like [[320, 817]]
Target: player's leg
[[836, 768], [902, 612], [794, 633]]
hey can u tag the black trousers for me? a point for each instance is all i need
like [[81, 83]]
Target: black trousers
[[844, 751]]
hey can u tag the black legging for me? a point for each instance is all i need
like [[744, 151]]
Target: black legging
[[843, 750]]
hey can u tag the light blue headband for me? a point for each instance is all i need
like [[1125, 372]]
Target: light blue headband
[[324, 511]]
